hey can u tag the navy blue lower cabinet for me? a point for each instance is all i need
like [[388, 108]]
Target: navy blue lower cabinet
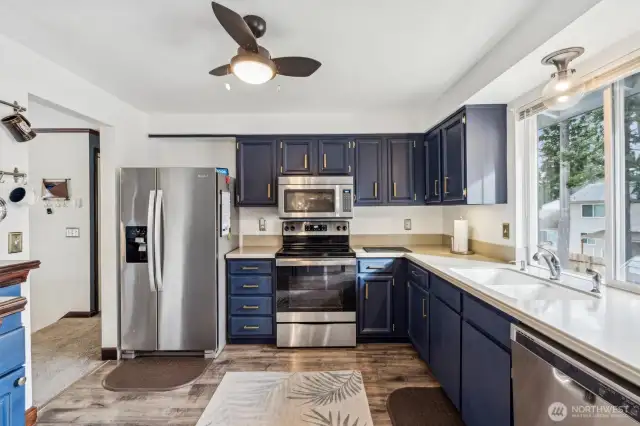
[[375, 305], [444, 347], [486, 380], [418, 318]]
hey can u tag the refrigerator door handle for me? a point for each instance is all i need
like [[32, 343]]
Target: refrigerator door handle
[[157, 237], [150, 242]]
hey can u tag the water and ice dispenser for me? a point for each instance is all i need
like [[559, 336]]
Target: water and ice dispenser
[[136, 237]]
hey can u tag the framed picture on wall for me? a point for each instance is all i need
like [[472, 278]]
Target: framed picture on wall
[[55, 189]]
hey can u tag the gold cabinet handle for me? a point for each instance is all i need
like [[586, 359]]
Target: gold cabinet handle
[[305, 161], [375, 189], [250, 286], [375, 267], [366, 291], [435, 187], [250, 307], [445, 185], [324, 161], [251, 327], [269, 190], [249, 268], [424, 315], [394, 189]]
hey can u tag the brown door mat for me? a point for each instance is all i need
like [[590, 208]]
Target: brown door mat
[[422, 407], [154, 374]]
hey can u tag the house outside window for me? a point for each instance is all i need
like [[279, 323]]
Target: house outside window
[[593, 210]]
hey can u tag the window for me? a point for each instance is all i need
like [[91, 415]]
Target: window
[[570, 182], [593, 210]]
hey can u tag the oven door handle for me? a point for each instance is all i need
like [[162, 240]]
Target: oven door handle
[[315, 262]]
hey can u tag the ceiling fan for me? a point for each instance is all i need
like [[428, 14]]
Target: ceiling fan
[[253, 63]]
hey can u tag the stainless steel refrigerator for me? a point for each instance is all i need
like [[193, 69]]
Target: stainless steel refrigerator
[[176, 225]]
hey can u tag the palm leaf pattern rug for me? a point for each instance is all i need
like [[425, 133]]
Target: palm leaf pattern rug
[[330, 398]]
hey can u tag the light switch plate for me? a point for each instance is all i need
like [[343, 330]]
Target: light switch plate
[[407, 224], [73, 233], [15, 242], [505, 231], [262, 224]]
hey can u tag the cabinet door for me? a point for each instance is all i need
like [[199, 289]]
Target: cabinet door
[[256, 172], [432, 161], [375, 313], [12, 399], [369, 172], [334, 157], [444, 347], [296, 156], [453, 160], [400, 184], [486, 380], [418, 317]]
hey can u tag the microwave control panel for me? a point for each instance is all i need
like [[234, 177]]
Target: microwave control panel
[[347, 200]]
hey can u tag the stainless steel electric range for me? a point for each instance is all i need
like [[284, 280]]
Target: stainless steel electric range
[[316, 285]]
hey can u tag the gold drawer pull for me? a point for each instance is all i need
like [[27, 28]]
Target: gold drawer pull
[[375, 267], [269, 191], [424, 315], [305, 161], [366, 291], [249, 268], [445, 185], [375, 189], [251, 327], [325, 161], [250, 286], [435, 187], [250, 307], [394, 189]]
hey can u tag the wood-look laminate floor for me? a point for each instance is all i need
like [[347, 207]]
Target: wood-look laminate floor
[[384, 367]]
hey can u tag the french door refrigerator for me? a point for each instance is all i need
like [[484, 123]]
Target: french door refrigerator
[[176, 225]]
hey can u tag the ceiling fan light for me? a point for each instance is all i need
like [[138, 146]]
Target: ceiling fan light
[[253, 68]]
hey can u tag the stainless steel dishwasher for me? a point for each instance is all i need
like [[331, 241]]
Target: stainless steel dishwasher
[[554, 386]]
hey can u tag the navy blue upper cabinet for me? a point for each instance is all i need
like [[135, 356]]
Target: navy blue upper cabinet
[[256, 172], [472, 148], [335, 156], [418, 318], [369, 178], [445, 328], [486, 380], [297, 156], [375, 305], [453, 160], [433, 172], [401, 171]]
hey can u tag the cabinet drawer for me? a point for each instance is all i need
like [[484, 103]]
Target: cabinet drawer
[[419, 276], [488, 320], [248, 285], [250, 266], [10, 291], [446, 292], [376, 266], [250, 305], [10, 323], [251, 326], [11, 350]]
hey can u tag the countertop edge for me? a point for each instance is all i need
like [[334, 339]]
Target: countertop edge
[[590, 352], [16, 272]]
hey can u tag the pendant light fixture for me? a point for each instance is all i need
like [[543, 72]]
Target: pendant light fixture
[[563, 91]]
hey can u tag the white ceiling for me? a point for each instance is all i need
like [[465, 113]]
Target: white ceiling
[[600, 31], [156, 54]]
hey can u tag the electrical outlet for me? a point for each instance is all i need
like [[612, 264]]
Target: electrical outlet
[[73, 232], [262, 224], [407, 224], [505, 231]]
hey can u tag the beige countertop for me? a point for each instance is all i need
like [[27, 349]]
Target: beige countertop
[[253, 252]]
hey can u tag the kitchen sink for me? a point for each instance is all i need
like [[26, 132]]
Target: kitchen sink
[[521, 286]]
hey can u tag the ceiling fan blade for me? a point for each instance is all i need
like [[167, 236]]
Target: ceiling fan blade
[[236, 27], [296, 66], [221, 71]]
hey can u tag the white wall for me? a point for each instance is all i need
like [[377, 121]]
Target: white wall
[[45, 115], [64, 273], [381, 220]]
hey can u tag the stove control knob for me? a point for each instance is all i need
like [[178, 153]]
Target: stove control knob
[[286, 228], [293, 228], [338, 228]]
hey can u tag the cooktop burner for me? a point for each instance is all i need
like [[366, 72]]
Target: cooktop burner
[[315, 252]]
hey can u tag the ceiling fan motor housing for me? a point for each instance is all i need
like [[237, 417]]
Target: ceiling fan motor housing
[[257, 25]]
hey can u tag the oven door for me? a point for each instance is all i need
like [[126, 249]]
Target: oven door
[[316, 290], [309, 201]]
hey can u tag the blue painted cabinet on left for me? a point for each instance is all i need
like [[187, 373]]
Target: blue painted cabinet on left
[[256, 172]]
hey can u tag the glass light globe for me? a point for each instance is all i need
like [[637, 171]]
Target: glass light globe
[[562, 91], [252, 69]]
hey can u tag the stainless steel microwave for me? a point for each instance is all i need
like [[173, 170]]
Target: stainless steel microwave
[[315, 197]]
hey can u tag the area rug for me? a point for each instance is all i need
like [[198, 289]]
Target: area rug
[[422, 406], [331, 398], [154, 374]]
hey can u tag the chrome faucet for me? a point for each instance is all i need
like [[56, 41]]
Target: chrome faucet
[[597, 280], [552, 260]]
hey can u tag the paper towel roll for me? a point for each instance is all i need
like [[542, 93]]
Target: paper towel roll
[[461, 236]]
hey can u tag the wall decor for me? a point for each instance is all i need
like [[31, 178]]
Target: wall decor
[[17, 124], [15, 242], [3, 209], [55, 190]]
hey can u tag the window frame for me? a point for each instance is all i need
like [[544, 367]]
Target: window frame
[[593, 210]]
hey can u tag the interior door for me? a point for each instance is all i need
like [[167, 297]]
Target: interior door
[[138, 293], [187, 275]]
